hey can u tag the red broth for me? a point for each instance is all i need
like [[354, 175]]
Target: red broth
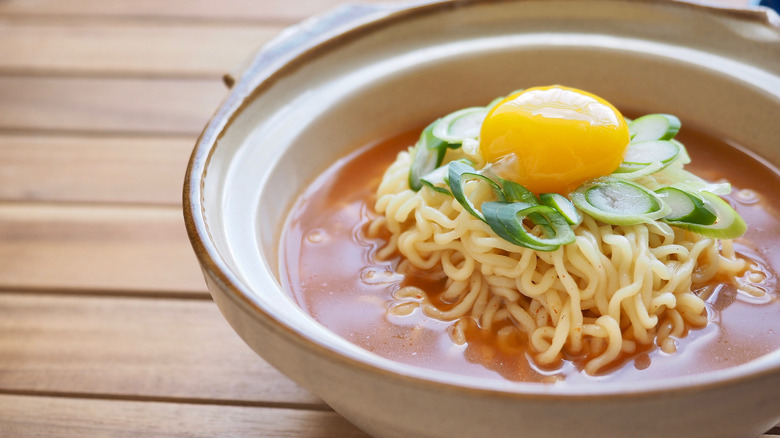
[[328, 266]]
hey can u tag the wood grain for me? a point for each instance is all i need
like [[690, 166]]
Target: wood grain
[[134, 348], [135, 48], [93, 248], [45, 417], [107, 169], [100, 105]]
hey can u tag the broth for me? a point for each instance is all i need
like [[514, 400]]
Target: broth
[[328, 265]]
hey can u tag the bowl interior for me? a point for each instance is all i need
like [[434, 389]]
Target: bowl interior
[[719, 71]]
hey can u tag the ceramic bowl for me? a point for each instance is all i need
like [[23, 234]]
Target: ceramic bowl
[[361, 73]]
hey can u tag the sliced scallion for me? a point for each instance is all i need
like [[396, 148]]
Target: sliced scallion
[[438, 179], [728, 225], [506, 220], [561, 204], [434, 181], [462, 124], [639, 155], [619, 202], [636, 174], [684, 158], [458, 174], [654, 127], [514, 192], [427, 155], [686, 207], [678, 177]]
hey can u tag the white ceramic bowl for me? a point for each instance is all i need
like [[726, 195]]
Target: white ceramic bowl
[[361, 73]]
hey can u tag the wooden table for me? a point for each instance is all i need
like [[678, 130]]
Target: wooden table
[[106, 327]]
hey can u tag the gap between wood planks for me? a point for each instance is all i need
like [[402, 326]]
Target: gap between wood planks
[[110, 293], [64, 418], [178, 400]]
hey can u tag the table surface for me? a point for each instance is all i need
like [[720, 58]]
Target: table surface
[[106, 326]]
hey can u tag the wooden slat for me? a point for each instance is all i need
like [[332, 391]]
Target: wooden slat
[[93, 169], [137, 48], [134, 348], [44, 417], [97, 248], [156, 106], [233, 10]]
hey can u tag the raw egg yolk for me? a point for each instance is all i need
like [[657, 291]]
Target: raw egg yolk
[[552, 139]]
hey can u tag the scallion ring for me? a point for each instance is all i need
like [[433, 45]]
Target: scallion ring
[[427, 155], [561, 204], [686, 207], [642, 154], [506, 220], [514, 192], [654, 127], [619, 202], [460, 125], [728, 225], [459, 174]]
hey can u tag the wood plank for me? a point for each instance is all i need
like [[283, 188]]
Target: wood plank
[[135, 348], [45, 417], [232, 10], [93, 169], [105, 249], [152, 106], [136, 48]]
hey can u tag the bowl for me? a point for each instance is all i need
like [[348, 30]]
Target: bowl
[[360, 73]]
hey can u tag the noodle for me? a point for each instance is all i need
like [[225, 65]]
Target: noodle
[[615, 288]]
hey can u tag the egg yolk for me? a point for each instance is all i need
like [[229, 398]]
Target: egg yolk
[[552, 139]]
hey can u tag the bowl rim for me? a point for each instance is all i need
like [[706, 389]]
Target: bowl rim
[[316, 37]]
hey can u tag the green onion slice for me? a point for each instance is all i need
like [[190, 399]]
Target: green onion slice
[[563, 206], [619, 202], [435, 187], [654, 127], [684, 158], [506, 220], [460, 125], [514, 192], [682, 179], [686, 207], [639, 173], [642, 154], [438, 179], [729, 224], [427, 155], [459, 174]]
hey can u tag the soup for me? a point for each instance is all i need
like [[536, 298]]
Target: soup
[[331, 268]]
